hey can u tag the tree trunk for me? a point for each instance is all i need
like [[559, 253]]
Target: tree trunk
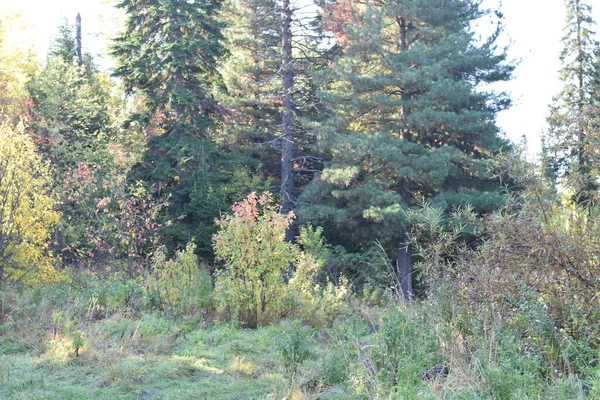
[[403, 261], [402, 45], [404, 266], [287, 149], [177, 106], [78, 40]]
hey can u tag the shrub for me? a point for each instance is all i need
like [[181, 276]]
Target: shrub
[[78, 339], [333, 368], [252, 288], [292, 344], [534, 264], [251, 242], [27, 211], [179, 284]]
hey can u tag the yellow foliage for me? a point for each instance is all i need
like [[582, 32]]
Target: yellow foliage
[[312, 302], [27, 210], [241, 366], [17, 63], [179, 283]]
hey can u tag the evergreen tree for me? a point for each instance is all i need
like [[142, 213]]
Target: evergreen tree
[[168, 55], [267, 85], [252, 83], [64, 46], [408, 120], [569, 143]]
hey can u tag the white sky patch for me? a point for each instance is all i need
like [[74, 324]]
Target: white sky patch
[[100, 22], [536, 29]]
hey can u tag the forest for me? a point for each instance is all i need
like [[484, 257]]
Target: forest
[[277, 199]]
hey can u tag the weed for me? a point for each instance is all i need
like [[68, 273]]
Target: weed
[[292, 344]]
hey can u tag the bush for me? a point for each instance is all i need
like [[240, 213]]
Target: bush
[[27, 211], [252, 287], [179, 284], [292, 344], [533, 265]]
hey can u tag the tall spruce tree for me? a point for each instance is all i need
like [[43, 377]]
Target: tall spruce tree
[[409, 118], [287, 117], [168, 55], [252, 83], [571, 140], [267, 85]]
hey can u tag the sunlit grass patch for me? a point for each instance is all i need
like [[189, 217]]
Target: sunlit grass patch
[[241, 366], [59, 347]]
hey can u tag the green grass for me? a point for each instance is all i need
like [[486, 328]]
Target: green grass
[[133, 359], [367, 353]]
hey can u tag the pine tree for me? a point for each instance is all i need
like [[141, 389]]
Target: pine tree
[[408, 120], [569, 143], [168, 56]]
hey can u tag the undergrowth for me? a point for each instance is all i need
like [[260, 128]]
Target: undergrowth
[[55, 344]]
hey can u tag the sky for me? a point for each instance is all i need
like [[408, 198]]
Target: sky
[[533, 28]]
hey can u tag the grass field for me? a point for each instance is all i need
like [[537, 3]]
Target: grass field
[[149, 356], [57, 343], [145, 358]]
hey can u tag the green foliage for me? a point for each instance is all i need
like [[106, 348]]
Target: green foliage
[[533, 266], [313, 302], [252, 91], [313, 243], [129, 350], [179, 284], [293, 346], [69, 116], [73, 117], [181, 39], [373, 295], [252, 82], [63, 46], [178, 113], [573, 121], [188, 172], [406, 119], [78, 338], [401, 116], [399, 360], [333, 368], [251, 287]]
